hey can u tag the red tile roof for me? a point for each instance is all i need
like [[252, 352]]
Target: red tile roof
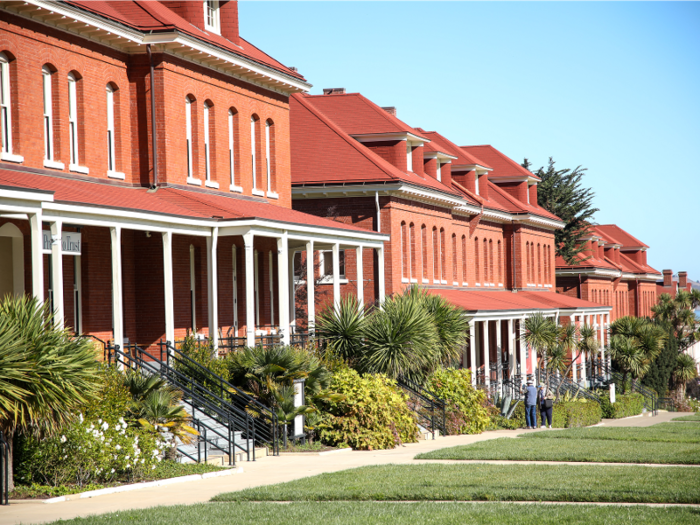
[[151, 16], [591, 262], [623, 238], [443, 144], [482, 301], [630, 266], [502, 165], [357, 115], [167, 201]]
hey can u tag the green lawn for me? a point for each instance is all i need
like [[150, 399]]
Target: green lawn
[[379, 513], [663, 432], [586, 450], [694, 417], [445, 482]]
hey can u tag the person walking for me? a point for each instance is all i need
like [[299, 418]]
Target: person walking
[[545, 401], [530, 393]]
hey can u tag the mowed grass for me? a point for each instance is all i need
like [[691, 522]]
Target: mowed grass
[[694, 417], [583, 450], [378, 513], [661, 433], [471, 482]]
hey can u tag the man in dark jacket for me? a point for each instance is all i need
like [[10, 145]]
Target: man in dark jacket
[[530, 405]]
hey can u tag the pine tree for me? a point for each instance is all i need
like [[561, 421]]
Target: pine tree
[[560, 192], [659, 375]]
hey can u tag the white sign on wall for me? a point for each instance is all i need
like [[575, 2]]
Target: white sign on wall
[[70, 242]]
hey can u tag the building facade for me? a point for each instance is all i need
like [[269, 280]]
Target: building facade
[[145, 177], [463, 222]]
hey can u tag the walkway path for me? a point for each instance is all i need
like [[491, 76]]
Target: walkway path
[[263, 472]]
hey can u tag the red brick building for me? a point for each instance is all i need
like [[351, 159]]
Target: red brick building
[[464, 221], [145, 183]]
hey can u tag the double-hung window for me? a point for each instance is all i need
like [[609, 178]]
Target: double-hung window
[[207, 163], [231, 158], [111, 149], [409, 157], [73, 119], [188, 134], [212, 21], [6, 111], [267, 157], [253, 147], [327, 266], [48, 114]]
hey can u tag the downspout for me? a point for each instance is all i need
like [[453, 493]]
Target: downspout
[[154, 142], [376, 203], [579, 286]]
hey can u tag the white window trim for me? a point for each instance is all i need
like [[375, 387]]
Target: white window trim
[[231, 158], [409, 157], [188, 137], [438, 173], [476, 182], [267, 159], [73, 120], [48, 117], [252, 153], [111, 148], [207, 159], [6, 112], [328, 278], [212, 6]]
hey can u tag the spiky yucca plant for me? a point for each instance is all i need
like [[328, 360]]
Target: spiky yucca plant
[[343, 328]]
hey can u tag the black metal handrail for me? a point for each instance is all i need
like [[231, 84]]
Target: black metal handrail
[[667, 403], [4, 471], [429, 408], [572, 388], [264, 420], [651, 400]]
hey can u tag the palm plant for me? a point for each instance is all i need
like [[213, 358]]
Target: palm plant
[[645, 336], [343, 328], [401, 340], [46, 375], [540, 333], [629, 357], [678, 313], [683, 372]]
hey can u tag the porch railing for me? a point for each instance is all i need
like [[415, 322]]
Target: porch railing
[[429, 408]]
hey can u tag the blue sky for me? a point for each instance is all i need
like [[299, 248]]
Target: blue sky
[[614, 87]]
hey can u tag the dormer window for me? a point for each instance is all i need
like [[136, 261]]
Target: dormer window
[[476, 182], [409, 157], [211, 16], [438, 173], [528, 194]]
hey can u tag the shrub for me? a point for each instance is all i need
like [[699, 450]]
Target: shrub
[[571, 414], [372, 415], [455, 385], [625, 405]]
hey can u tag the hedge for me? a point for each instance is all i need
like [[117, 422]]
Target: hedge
[[566, 414], [626, 405]]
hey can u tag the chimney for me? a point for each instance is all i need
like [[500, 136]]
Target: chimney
[[683, 280], [334, 91], [668, 278], [293, 68], [391, 110], [228, 16]]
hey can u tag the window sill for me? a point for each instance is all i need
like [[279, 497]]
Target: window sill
[[258, 193], [404, 280], [55, 165], [455, 283], [116, 175], [477, 284], [235, 188], [465, 284], [547, 285], [211, 184], [78, 169], [329, 280], [500, 285], [9, 157], [532, 286], [426, 281], [273, 195], [414, 280], [539, 286], [443, 282], [195, 182]]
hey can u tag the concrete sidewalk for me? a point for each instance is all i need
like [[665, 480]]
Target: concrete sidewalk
[[263, 472]]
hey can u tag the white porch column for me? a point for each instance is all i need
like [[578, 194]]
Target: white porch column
[[115, 233], [57, 272], [283, 279], [336, 276], [499, 354], [601, 339], [380, 273], [168, 286], [512, 360], [37, 240], [360, 278], [472, 350], [291, 291], [310, 287], [487, 356], [213, 285], [523, 356], [249, 289]]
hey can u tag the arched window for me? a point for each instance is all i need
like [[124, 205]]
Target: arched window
[[424, 249], [255, 157], [270, 157], [207, 143], [404, 251], [527, 262], [464, 259], [5, 105], [539, 264], [188, 134], [499, 268], [73, 119], [412, 240], [491, 262], [48, 114], [477, 262], [436, 255], [252, 151], [487, 269], [232, 144], [454, 258], [111, 131], [443, 256]]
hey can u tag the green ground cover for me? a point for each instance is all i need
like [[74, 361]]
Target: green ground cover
[[585, 450], [444, 482], [381, 513], [663, 432], [694, 417]]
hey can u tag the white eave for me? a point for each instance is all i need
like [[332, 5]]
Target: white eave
[[480, 170], [439, 155], [531, 179], [128, 40], [539, 221], [595, 272], [398, 135]]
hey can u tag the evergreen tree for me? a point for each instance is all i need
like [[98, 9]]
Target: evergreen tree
[[560, 192], [659, 375]]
